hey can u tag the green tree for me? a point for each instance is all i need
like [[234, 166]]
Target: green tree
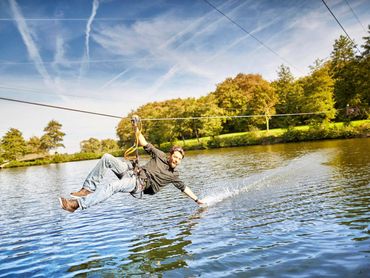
[[53, 136], [92, 145], [207, 107], [318, 93], [262, 102], [124, 131], [155, 131], [290, 98], [343, 69], [34, 145], [363, 76], [186, 128], [109, 145], [1, 153], [13, 145]]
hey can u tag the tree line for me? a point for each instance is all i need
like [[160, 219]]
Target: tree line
[[336, 89], [13, 146]]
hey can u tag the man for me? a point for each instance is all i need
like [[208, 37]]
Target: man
[[148, 179]]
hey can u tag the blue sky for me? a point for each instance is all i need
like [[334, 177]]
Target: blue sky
[[113, 56]]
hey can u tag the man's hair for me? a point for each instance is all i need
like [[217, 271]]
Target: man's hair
[[177, 149]]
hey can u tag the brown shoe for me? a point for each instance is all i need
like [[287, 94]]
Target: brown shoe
[[68, 204], [82, 193]]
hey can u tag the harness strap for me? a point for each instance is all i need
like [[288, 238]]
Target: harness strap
[[141, 182]]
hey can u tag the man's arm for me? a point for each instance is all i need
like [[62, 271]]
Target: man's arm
[[191, 195]]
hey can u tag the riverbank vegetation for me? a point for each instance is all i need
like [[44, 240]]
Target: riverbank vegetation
[[328, 103], [335, 90], [355, 129]]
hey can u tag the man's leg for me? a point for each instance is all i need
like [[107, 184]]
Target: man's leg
[[126, 184], [108, 161]]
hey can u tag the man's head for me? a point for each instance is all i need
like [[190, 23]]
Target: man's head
[[176, 155]]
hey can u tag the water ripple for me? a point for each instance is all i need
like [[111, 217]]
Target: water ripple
[[299, 210]]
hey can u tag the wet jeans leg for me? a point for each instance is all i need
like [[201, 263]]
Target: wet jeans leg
[[104, 191], [107, 161]]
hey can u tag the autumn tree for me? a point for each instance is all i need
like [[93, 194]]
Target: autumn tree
[[246, 94], [233, 101]]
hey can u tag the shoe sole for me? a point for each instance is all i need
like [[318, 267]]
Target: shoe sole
[[75, 197]]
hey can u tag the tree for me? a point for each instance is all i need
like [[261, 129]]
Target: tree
[[186, 128], [343, 70], [1, 153], [290, 97], [13, 144], [318, 93], [34, 145], [262, 100], [363, 76], [233, 101], [246, 94], [53, 136], [92, 145], [207, 107], [109, 145]]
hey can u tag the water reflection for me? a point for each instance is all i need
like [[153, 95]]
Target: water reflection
[[352, 176], [304, 205], [154, 252]]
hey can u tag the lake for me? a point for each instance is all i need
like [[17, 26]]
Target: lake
[[286, 210]]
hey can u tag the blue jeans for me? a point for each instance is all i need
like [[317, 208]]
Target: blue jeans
[[100, 192]]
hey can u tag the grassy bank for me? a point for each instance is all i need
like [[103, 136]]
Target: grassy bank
[[59, 158], [261, 137], [295, 134]]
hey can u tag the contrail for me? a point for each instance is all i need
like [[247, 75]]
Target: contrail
[[197, 24], [32, 49], [88, 26], [86, 58]]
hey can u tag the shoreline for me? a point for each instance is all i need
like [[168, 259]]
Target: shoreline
[[356, 129]]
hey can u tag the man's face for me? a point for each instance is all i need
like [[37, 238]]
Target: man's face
[[175, 159]]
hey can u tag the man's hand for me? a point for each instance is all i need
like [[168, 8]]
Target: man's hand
[[135, 120]]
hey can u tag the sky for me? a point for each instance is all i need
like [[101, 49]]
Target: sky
[[112, 56]]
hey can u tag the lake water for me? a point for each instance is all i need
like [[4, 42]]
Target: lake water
[[290, 210]]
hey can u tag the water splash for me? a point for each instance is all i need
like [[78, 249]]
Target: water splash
[[220, 191]]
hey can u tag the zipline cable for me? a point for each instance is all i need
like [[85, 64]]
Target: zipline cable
[[158, 119], [355, 15], [60, 107], [341, 26], [250, 34]]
